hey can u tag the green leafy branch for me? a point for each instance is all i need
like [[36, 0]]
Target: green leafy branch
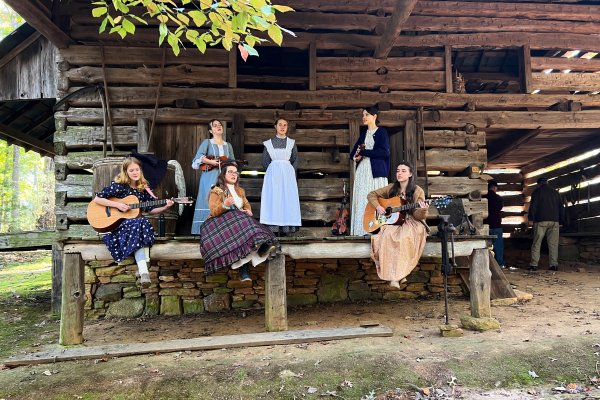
[[202, 22]]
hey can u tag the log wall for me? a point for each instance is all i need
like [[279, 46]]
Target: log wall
[[510, 187], [323, 137]]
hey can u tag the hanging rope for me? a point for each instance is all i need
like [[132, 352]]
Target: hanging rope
[[421, 136], [106, 106], [160, 83]]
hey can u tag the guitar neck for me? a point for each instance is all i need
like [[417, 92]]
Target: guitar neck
[[407, 207], [145, 204]]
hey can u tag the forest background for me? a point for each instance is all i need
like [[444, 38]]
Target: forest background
[[26, 178]]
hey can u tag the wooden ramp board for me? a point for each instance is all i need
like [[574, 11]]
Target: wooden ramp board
[[201, 343], [500, 288]]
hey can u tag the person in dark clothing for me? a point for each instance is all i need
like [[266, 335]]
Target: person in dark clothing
[[494, 220], [546, 212]]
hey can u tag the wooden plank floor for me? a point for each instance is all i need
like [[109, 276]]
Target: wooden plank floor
[[201, 343]]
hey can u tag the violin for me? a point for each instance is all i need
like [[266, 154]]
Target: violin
[[358, 149], [340, 226], [222, 159]]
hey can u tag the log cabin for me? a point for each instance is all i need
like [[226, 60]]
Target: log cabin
[[463, 87]]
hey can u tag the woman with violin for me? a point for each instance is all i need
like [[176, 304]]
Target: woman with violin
[[371, 155], [208, 158], [397, 248], [230, 237]]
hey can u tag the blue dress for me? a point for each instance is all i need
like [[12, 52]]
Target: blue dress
[[207, 179], [131, 234]]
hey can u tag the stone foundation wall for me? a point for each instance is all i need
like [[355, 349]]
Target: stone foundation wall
[[572, 252], [180, 287]]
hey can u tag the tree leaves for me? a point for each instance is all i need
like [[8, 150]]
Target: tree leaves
[[200, 22]]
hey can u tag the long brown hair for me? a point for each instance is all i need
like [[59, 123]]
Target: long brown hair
[[221, 182], [410, 187], [123, 178]]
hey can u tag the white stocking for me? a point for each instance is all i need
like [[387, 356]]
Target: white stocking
[[140, 260]]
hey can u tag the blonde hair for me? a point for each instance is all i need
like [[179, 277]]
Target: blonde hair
[[123, 178]]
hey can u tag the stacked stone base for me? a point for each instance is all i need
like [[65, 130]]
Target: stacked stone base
[[573, 252], [181, 287]]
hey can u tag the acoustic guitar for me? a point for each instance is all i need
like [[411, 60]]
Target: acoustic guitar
[[395, 211], [105, 219], [223, 159]]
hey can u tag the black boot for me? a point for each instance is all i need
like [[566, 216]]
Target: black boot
[[245, 273]]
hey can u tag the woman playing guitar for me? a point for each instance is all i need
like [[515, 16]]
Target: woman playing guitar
[[136, 235], [397, 248]]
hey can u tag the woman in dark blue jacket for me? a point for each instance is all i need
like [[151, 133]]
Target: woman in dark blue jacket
[[371, 155]]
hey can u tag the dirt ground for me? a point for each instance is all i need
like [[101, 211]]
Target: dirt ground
[[545, 343], [565, 303]]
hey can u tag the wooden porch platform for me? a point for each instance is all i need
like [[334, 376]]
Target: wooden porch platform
[[472, 249]]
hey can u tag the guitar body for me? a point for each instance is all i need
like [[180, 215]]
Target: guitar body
[[105, 219], [372, 222]]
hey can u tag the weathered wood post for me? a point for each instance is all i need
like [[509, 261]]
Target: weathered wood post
[[411, 145], [57, 267], [275, 295], [73, 299], [480, 278]]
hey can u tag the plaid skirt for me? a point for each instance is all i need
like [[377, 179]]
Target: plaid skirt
[[230, 237]]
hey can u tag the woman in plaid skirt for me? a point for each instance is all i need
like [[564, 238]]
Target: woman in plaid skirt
[[231, 237]]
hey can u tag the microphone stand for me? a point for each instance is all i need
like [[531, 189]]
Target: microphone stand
[[444, 228]]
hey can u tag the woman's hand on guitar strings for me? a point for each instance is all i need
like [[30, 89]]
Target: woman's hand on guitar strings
[[122, 206], [380, 210], [423, 204]]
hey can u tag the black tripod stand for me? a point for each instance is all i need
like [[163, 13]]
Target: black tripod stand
[[445, 228]]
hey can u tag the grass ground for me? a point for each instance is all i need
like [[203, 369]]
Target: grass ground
[[25, 320], [416, 363]]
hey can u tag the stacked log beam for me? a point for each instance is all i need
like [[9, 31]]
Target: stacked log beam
[[511, 182]]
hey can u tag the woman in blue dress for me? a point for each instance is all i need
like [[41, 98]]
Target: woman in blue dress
[[136, 235], [207, 157], [371, 155]]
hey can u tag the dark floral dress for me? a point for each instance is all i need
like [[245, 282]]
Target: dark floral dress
[[131, 234]]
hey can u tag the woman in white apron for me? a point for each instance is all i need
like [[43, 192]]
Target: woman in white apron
[[280, 203]]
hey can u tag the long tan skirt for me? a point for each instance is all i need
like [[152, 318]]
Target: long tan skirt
[[396, 249]]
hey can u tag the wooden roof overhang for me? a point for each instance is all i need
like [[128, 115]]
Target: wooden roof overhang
[[28, 123], [487, 41]]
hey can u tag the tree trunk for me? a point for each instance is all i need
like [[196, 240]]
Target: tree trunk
[[14, 203]]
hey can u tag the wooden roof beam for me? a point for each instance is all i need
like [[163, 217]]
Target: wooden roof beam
[[401, 12], [18, 49], [513, 142], [564, 154], [33, 12], [28, 142]]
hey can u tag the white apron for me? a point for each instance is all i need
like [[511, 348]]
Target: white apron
[[280, 203]]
